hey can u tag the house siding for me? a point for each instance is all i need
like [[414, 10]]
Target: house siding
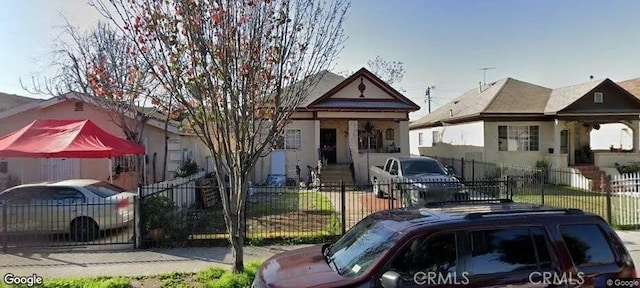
[[457, 140]]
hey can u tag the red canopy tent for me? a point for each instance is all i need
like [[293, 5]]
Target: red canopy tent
[[65, 139]]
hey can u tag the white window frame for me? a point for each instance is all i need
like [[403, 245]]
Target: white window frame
[[292, 139], [437, 137], [420, 139], [519, 138]]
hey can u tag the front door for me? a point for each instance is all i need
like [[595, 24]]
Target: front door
[[328, 145]]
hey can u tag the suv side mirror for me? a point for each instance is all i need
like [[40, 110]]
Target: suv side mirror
[[391, 279], [393, 171]]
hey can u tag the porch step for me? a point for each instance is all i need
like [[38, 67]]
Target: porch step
[[598, 177], [333, 174]]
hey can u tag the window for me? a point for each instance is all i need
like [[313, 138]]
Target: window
[[587, 245], [437, 253], [127, 163], [508, 250], [394, 167], [292, 139], [361, 246], [598, 97], [79, 106], [374, 142], [564, 141], [518, 138], [61, 196], [420, 139], [415, 167], [104, 189], [436, 138]]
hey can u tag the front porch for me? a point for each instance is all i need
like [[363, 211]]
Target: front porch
[[363, 143]]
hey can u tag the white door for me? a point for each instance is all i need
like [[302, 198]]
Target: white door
[[56, 169], [278, 162]]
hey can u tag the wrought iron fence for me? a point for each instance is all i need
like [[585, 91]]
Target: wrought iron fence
[[32, 221]]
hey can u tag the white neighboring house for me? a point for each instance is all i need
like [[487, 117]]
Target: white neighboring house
[[518, 123]]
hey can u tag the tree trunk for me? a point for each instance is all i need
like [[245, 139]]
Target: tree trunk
[[166, 149], [237, 227]]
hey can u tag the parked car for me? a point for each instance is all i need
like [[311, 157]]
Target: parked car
[[81, 207], [493, 244], [416, 180]]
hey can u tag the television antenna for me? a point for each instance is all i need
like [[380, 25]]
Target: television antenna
[[484, 74]]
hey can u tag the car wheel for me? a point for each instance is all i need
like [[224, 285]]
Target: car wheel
[[376, 189], [84, 229]]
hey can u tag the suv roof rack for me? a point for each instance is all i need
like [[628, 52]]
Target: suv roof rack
[[542, 210], [470, 201]]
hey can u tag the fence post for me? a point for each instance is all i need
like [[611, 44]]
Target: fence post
[[138, 230], [542, 192], [5, 234], [462, 165], [608, 199], [343, 205], [473, 169]]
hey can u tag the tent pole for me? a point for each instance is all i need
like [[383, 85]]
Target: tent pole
[[110, 171]]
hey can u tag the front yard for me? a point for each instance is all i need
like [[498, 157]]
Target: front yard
[[288, 213], [624, 212]]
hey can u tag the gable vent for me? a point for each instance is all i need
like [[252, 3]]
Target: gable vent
[[598, 97], [79, 106]]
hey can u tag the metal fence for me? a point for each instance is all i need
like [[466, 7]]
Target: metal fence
[[31, 221]]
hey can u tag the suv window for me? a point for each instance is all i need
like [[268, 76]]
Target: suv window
[[587, 245], [436, 253], [508, 250]]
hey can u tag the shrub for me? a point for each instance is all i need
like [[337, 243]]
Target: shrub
[[632, 167]]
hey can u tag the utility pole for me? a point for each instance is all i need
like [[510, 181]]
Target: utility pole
[[484, 72], [428, 95]]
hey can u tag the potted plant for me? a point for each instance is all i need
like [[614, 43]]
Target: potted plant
[[157, 214]]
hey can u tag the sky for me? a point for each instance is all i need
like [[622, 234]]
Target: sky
[[442, 43]]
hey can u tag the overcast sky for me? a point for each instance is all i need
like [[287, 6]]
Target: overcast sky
[[443, 43]]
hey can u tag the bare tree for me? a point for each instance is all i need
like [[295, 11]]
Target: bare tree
[[239, 69], [391, 72], [106, 71], [103, 69]]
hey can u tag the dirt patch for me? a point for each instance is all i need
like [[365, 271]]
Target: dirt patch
[[291, 222], [372, 204]]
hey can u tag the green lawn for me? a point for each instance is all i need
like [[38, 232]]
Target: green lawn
[[624, 210], [290, 214]]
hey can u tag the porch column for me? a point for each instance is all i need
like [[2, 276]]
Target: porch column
[[404, 137], [556, 144], [353, 137], [635, 135], [316, 151]]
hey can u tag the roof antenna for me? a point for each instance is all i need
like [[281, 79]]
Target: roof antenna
[[484, 72]]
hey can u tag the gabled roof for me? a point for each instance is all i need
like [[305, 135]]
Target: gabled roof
[[514, 98], [327, 81], [563, 97], [155, 120], [10, 101], [397, 101]]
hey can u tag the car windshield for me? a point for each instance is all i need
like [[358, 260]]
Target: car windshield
[[361, 246], [104, 189], [415, 167]]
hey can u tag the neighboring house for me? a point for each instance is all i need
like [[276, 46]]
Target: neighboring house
[[519, 123], [76, 106], [10, 101], [331, 122]]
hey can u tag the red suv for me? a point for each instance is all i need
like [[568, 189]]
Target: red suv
[[470, 244]]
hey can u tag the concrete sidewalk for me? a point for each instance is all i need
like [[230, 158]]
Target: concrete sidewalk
[[116, 260]]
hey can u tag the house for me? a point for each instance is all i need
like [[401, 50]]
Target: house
[[181, 145], [330, 122], [519, 123]]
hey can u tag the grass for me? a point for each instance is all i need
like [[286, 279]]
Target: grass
[[286, 215], [623, 207], [211, 278]]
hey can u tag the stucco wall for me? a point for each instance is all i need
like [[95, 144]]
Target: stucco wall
[[86, 168], [467, 135]]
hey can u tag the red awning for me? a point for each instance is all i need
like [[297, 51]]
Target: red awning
[[65, 139]]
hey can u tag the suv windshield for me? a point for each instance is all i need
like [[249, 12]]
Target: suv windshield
[[104, 189], [361, 246], [415, 167]]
